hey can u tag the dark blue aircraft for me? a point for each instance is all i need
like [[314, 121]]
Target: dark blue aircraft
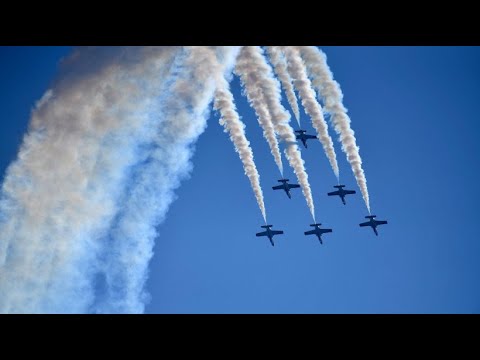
[[269, 233], [341, 192], [317, 231], [373, 223], [285, 186], [304, 137]]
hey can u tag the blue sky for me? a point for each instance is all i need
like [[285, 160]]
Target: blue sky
[[414, 113]]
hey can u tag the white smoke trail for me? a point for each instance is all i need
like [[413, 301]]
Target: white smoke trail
[[106, 147], [255, 98], [230, 120], [298, 72], [280, 66], [330, 91], [260, 80]]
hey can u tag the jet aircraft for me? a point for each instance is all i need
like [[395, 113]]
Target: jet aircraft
[[304, 137], [285, 186], [318, 232], [373, 223], [341, 192], [269, 233]]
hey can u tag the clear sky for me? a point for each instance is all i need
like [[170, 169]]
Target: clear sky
[[414, 112]]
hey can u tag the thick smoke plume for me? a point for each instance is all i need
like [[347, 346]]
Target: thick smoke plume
[[260, 83], [280, 66], [106, 147], [330, 91]]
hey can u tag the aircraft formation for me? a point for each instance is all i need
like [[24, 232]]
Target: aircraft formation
[[340, 192]]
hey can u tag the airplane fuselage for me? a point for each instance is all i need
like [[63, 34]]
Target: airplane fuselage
[[270, 235], [287, 190], [319, 236]]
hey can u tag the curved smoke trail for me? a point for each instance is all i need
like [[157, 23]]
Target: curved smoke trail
[[106, 147], [298, 72], [262, 81], [230, 120], [331, 93], [255, 98], [280, 67]]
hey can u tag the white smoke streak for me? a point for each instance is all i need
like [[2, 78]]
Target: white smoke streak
[[298, 72], [280, 66], [106, 147], [260, 80], [330, 91], [254, 94], [230, 120]]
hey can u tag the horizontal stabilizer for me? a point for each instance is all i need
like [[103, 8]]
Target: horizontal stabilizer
[[370, 216], [283, 180], [266, 226], [339, 186], [315, 224]]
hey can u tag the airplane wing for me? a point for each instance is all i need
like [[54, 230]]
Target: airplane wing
[[310, 137], [333, 193], [350, 192], [324, 231], [293, 186], [381, 222], [311, 232], [262, 233], [277, 232], [277, 187], [365, 223]]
